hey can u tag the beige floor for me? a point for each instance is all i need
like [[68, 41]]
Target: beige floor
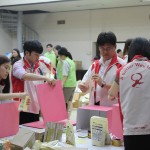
[[73, 114]]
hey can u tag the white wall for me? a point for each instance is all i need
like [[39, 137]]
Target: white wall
[[82, 28], [5, 41], [74, 35]]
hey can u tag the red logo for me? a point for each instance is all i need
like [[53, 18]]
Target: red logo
[[137, 77]]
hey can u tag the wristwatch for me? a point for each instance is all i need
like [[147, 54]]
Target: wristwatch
[[103, 84]]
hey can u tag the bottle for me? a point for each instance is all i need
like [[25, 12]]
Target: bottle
[[99, 129]]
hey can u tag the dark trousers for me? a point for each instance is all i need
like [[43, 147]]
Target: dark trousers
[[26, 117], [137, 142], [97, 103]]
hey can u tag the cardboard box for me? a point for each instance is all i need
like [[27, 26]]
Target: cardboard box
[[75, 100], [39, 133], [85, 113], [117, 127], [84, 100], [112, 113], [39, 136], [24, 138], [78, 65]]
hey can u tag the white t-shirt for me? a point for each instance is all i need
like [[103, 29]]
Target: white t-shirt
[[134, 85]]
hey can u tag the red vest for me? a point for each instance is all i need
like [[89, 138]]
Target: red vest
[[17, 84]]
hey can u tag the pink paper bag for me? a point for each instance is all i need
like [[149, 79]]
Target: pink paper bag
[[52, 105], [52, 102], [117, 128], [9, 117]]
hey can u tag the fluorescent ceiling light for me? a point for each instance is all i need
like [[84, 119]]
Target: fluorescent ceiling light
[[145, 0], [23, 2]]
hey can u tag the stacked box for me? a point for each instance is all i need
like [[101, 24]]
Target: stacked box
[[24, 138], [75, 100]]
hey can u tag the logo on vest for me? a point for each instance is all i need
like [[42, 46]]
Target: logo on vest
[[137, 77]]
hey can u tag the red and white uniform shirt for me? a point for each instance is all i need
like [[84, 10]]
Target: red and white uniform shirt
[[20, 68], [107, 71]]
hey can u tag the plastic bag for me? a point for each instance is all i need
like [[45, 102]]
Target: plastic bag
[[70, 137]]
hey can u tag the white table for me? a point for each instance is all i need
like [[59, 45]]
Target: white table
[[80, 142], [87, 143]]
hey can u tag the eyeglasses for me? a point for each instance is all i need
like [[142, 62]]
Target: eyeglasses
[[106, 48]]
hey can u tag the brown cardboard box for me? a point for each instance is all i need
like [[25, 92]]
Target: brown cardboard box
[[75, 100], [78, 65], [39, 136], [24, 138], [39, 133]]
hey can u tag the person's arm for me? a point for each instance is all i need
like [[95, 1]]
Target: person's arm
[[113, 91], [65, 71], [6, 96], [64, 80], [35, 77], [20, 73], [83, 87]]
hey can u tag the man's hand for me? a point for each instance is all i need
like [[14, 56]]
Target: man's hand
[[97, 79], [22, 95], [51, 81], [83, 87], [25, 96]]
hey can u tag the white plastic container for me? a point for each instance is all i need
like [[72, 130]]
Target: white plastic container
[[99, 129]]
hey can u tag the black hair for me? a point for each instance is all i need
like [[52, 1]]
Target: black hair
[[14, 59], [119, 50], [33, 46], [96, 58], [126, 46], [139, 46], [6, 82], [106, 37], [49, 45], [4, 59], [57, 47], [64, 51]]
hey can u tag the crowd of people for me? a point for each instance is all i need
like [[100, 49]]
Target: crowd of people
[[115, 76]]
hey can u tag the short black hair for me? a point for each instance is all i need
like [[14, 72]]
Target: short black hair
[[106, 37], [139, 46], [33, 46], [118, 51], [49, 45], [57, 47]]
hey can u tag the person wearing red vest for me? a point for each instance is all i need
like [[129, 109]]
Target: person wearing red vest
[[132, 82], [29, 69], [101, 73]]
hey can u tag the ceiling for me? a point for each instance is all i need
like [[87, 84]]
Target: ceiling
[[70, 5]]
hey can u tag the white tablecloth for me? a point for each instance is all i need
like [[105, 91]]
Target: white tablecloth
[[87, 143], [80, 142]]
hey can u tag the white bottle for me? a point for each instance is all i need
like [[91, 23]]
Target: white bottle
[[99, 129]]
